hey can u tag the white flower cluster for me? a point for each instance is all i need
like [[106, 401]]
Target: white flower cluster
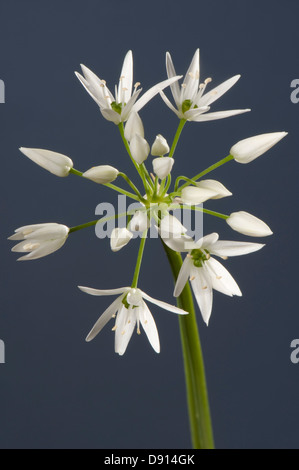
[[200, 267]]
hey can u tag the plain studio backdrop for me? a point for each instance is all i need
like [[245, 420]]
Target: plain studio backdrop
[[56, 391]]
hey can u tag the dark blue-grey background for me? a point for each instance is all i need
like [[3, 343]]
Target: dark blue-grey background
[[56, 391]]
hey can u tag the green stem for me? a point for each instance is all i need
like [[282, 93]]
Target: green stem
[[177, 136], [206, 211], [76, 172], [94, 222], [210, 168], [197, 394], [130, 183], [139, 260]]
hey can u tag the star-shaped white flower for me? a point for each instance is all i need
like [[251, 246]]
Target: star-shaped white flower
[[206, 273], [129, 309], [191, 102], [118, 108]]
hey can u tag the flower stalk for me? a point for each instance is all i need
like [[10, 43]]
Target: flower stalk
[[196, 387]]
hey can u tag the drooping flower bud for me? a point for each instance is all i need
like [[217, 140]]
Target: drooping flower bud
[[139, 222], [162, 166], [101, 174], [120, 237], [56, 163], [248, 224], [139, 149], [249, 149]]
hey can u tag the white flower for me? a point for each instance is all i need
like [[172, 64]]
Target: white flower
[[196, 195], [119, 238], [139, 149], [134, 125], [162, 166], [206, 273], [160, 146], [249, 149], [216, 186], [39, 240], [139, 222], [248, 224], [56, 163], [102, 174], [118, 108], [129, 309], [191, 103]]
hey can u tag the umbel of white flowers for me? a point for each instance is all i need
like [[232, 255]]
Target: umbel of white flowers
[[119, 107], [130, 310]]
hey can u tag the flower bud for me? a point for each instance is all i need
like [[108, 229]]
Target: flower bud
[[134, 126], [162, 166], [160, 146], [39, 240], [101, 174], [139, 222], [139, 149], [119, 238], [248, 224], [56, 163], [249, 149], [194, 195], [215, 186]]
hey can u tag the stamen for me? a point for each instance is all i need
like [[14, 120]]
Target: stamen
[[137, 84], [124, 89], [183, 85], [189, 256], [191, 75], [208, 80], [197, 74], [113, 316], [224, 257], [114, 328], [192, 278], [123, 332], [121, 77], [138, 331], [201, 86], [205, 287], [218, 277]]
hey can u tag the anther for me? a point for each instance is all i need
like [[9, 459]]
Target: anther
[[218, 277], [192, 278], [205, 287], [208, 80], [137, 84], [114, 328], [138, 331], [183, 85]]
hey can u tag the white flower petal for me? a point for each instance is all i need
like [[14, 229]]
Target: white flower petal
[[154, 91], [104, 318], [44, 249], [111, 115], [183, 276], [191, 80], [124, 329], [162, 166], [221, 279], [231, 248], [192, 114], [170, 105], [170, 225], [202, 288], [175, 88], [97, 292], [220, 115], [148, 323], [207, 241], [126, 78], [217, 92], [180, 244], [164, 305]]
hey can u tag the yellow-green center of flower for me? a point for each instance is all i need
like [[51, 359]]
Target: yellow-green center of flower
[[199, 257]]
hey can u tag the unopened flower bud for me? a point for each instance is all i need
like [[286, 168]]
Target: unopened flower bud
[[120, 237], [248, 224], [162, 166], [160, 146], [249, 149], [139, 149], [213, 185], [101, 174], [56, 163]]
